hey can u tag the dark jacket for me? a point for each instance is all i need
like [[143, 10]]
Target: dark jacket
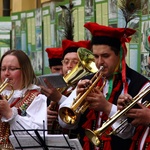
[[137, 81]]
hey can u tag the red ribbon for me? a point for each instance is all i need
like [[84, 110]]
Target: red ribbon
[[123, 41]]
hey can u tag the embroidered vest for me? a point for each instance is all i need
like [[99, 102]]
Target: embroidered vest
[[22, 104]]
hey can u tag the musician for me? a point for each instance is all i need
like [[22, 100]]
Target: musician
[[26, 107], [108, 46], [55, 58], [140, 121], [69, 61]]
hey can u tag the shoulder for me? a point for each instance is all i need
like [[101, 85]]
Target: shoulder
[[137, 81], [134, 76]]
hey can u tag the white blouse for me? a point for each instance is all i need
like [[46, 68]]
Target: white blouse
[[36, 113]]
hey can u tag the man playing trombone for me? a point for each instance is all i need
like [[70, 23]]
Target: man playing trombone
[[109, 50]]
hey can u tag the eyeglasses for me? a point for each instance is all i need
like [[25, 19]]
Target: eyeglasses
[[67, 61], [11, 69]]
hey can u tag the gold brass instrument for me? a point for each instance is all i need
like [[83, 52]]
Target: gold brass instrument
[[69, 115], [95, 135], [4, 85], [123, 123], [85, 66]]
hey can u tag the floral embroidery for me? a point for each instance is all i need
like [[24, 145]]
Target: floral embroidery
[[23, 109]]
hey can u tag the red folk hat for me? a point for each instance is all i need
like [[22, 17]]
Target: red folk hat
[[108, 35], [100, 30], [55, 56], [69, 46], [115, 37]]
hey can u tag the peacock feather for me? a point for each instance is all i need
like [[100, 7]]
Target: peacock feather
[[129, 8], [68, 21]]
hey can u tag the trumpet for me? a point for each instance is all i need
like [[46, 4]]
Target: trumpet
[[69, 115], [84, 67], [96, 134], [4, 85]]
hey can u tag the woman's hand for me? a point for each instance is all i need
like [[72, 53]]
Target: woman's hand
[[5, 110]]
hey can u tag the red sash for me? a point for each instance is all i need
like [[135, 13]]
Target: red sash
[[137, 138], [105, 140]]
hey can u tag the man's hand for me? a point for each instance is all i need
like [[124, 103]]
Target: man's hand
[[52, 93], [52, 113]]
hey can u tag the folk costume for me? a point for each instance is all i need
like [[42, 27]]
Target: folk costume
[[141, 139], [27, 105], [124, 79], [68, 46]]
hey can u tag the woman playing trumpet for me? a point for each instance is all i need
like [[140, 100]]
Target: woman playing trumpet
[[26, 106]]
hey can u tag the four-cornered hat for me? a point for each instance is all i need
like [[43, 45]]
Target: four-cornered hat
[[115, 37], [69, 46], [54, 56], [108, 35]]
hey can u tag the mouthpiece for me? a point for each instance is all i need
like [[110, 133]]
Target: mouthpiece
[[6, 80], [101, 68]]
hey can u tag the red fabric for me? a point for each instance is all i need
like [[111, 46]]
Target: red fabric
[[100, 30], [149, 39], [123, 40], [124, 68], [5, 127], [86, 143], [137, 137], [15, 102], [147, 142], [68, 43], [90, 117], [54, 52], [88, 124]]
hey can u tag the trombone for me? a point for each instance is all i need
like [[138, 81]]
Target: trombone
[[69, 115], [4, 85], [96, 134]]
